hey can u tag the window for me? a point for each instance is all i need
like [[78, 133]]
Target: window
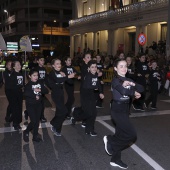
[[84, 8]]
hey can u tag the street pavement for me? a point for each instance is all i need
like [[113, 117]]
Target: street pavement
[[75, 150]]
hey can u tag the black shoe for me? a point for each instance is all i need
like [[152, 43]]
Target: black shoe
[[53, 129], [73, 121], [99, 107], [83, 124], [119, 164], [153, 107], [26, 136], [36, 139], [107, 148], [91, 133], [43, 120], [138, 108], [146, 105], [17, 127]]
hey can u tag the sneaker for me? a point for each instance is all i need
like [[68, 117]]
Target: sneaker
[[153, 108], [135, 108], [26, 136], [83, 124], [72, 110], [53, 129], [25, 115], [57, 134], [141, 109], [73, 121], [91, 133], [138, 108], [146, 105], [99, 107], [107, 149], [36, 139], [119, 164], [18, 127], [43, 120]]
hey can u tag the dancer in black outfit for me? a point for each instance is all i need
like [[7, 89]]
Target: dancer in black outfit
[[6, 81], [125, 134], [33, 95], [56, 79], [16, 84], [88, 97], [69, 85]]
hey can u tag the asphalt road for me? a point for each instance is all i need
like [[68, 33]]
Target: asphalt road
[[75, 150]]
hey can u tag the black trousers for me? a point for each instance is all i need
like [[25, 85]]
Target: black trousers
[[125, 134], [9, 107], [99, 101], [139, 102], [34, 112], [43, 107], [61, 110], [152, 96], [70, 97], [15, 99], [88, 110]]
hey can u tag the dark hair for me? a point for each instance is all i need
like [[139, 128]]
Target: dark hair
[[8, 62], [32, 71], [39, 57], [67, 57], [91, 62], [14, 62], [141, 54], [53, 61], [86, 54], [116, 62]]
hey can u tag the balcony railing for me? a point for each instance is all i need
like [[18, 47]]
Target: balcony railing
[[140, 6]]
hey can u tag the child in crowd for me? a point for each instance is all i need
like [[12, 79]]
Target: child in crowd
[[6, 77], [154, 77], [69, 85], [33, 95], [16, 84], [88, 97], [125, 134], [56, 79], [142, 72]]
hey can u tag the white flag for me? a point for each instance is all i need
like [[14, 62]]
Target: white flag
[[2, 43], [25, 44]]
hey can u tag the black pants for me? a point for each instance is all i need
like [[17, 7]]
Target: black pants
[[43, 107], [70, 97], [9, 108], [15, 100], [138, 103], [99, 101], [61, 110], [88, 110], [34, 112], [152, 96], [125, 134]]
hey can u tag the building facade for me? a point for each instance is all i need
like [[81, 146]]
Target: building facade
[[109, 26], [45, 21]]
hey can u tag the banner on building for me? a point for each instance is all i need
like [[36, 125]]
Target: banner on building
[[25, 44]]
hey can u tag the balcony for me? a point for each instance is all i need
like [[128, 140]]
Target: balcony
[[128, 9]]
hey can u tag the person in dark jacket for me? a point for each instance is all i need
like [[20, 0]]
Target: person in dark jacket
[[88, 97], [125, 134], [142, 72], [154, 78], [16, 84], [33, 95], [69, 85], [6, 77], [56, 79]]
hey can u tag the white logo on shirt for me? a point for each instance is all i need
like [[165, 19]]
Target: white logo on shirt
[[42, 74], [94, 81], [37, 86], [144, 67], [69, 70], [20, 80]]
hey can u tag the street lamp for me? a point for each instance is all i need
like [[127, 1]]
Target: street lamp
[[54, 21], [6, 12]]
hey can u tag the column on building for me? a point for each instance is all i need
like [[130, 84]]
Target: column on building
[[138, 31], [72, 46], [95, 41], [112, 43], [168, 36], [144, 30], [82, 43]]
